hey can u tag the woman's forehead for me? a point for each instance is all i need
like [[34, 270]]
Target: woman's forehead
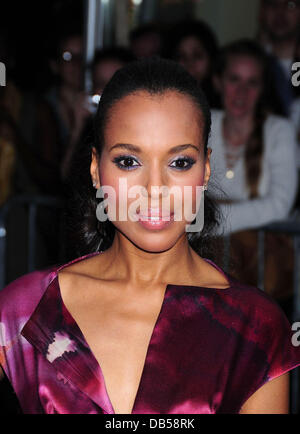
[[244, 61], [164, 110]]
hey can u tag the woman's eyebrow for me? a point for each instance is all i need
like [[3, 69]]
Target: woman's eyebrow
[[136, 149], [127, 146], [182, 148]]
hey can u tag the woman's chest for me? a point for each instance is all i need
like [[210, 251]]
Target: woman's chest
[[118, 335], [233, 180]]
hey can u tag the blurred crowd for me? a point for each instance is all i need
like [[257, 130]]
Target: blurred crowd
[[255, 122]]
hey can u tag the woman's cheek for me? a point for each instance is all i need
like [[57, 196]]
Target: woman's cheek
[[229, 93], [119, 184], [110, 185], [184, 192], [188, 195]]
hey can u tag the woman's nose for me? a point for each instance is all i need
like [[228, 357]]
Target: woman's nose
[[155, 184], [242, 89]]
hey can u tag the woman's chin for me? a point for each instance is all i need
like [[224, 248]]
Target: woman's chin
[[152, 243], [152, 248]]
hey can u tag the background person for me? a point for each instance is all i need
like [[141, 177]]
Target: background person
[[146, 41], [194, 45], [254, 162], [280, 36]]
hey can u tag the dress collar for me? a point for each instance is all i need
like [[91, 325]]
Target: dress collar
[[54, 333]]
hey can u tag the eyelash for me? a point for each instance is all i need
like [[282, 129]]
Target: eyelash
[[190, 162]]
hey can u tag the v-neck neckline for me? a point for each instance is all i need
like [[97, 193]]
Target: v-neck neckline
[[78, 363], [148, 351], [79, 332]]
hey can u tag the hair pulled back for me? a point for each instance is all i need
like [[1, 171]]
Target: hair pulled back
[[155, 76]]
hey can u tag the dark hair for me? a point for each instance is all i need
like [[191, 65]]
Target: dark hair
[[201, 31], [120, 54], [196, 28], [267, 103], [144, 30], [55, 46], [155, 76]]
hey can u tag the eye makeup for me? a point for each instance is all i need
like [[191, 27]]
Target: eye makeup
[[129, 159], [126, 162], [188, 161]]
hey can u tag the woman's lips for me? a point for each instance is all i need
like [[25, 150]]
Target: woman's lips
[[155, 220], [155, 213]]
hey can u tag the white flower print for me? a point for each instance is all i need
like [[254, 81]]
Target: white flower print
[[61, 344]]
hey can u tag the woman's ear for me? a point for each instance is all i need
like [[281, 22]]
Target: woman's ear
[[207, 167], [94, 168]]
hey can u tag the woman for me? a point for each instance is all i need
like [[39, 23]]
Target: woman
[[255, 164], [147, 325], [66, 108], [254, 157], [194, 45]]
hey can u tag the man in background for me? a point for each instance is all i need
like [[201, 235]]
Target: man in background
[[279, 34]]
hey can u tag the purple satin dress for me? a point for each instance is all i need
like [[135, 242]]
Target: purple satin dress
[[209, 351]]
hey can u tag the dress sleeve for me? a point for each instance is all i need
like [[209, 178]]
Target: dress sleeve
[[284, 346], [279, 340]]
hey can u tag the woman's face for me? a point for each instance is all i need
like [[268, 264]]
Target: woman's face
[[192, 56], [154, 141], [241, 86]]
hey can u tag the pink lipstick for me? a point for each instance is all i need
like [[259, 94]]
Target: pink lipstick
[[155, 219]]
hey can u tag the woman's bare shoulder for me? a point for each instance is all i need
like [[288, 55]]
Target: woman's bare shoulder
[[205, 273], [101, 269], [93, 266], [82, 274], [213, 278]]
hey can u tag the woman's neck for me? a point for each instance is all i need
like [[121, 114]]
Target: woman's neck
[[237, 130], [144, 268]]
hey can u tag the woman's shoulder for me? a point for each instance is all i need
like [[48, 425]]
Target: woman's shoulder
[[262, 318], [275, 124], [252, 305], [280, 138], [20, 297], [217, 115], [262, 327], [25, 291]]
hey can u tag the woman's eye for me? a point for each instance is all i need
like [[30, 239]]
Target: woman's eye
[[183, 163], [129, 163], [126, 163]]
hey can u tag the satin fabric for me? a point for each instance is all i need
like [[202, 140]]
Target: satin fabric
[[209, 351]]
